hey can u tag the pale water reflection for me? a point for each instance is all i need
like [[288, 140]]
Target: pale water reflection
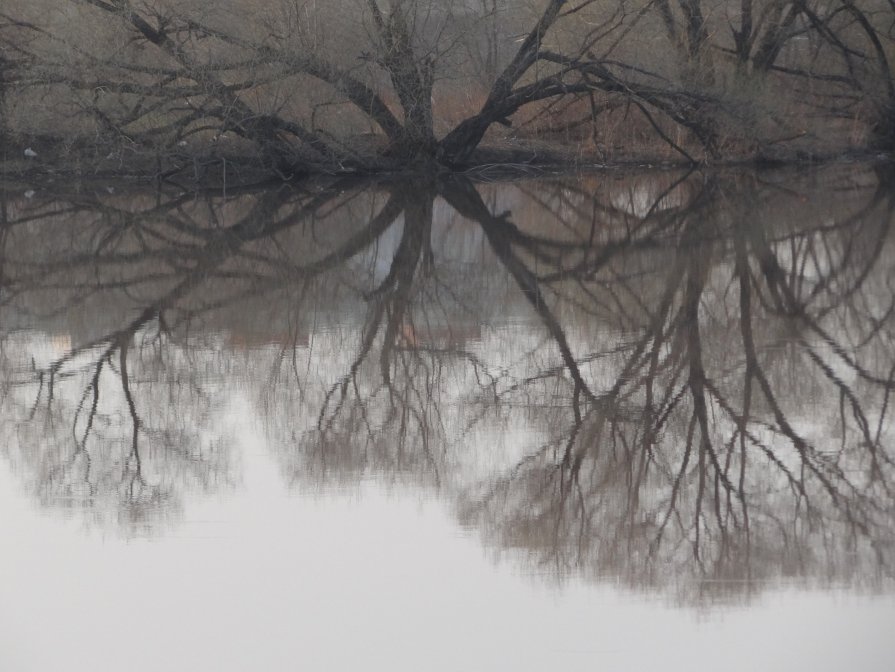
[[271, 580], [604, 422]]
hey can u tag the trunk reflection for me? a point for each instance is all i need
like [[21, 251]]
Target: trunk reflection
[[690, 394]]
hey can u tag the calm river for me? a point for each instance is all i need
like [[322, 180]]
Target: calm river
[[622, 421]]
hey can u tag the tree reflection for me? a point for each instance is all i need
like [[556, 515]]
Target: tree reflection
[[698, 454], [672, 380]]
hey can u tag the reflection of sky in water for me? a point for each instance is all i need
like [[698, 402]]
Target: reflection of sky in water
[[274, 580]]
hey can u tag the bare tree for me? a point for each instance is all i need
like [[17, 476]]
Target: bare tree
[[308, 89]]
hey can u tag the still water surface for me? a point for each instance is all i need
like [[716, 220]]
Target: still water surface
[[627, 422]]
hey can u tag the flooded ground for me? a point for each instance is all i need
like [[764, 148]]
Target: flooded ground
[[623, 421]]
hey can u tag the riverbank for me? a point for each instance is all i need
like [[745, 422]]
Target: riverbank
[[39, 160]]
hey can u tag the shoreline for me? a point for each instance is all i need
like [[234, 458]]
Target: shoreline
[[235, 171]]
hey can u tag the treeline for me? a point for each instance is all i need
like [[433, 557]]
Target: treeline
[[361, 85]]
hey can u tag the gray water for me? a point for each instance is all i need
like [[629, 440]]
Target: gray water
[[628, 421]]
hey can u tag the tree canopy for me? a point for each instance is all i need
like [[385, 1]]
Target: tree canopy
[[360, 85]]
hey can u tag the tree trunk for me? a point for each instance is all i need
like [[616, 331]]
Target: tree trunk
[[5, 70], [414, 88], [458, 145]]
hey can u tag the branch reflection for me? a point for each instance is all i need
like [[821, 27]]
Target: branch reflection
[[675, 381]]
